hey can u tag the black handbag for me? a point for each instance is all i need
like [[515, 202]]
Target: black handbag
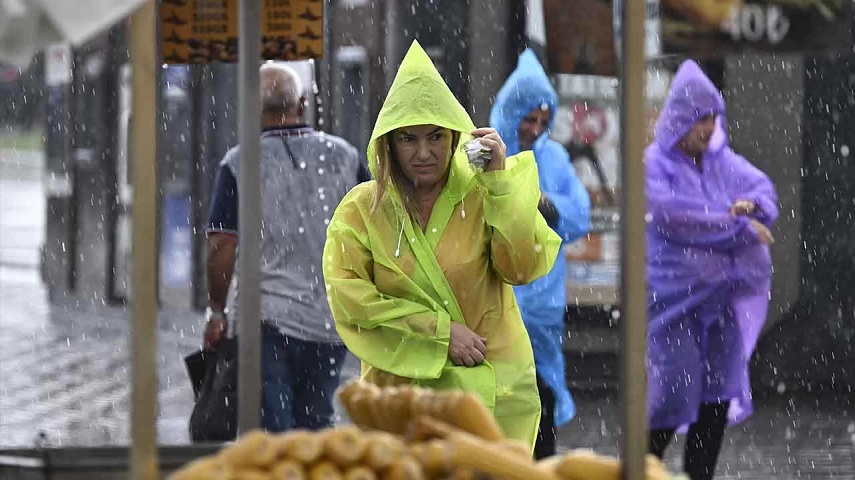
[[214, 378], [196, 367]]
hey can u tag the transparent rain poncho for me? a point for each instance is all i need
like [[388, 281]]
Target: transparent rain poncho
[[485, 233]]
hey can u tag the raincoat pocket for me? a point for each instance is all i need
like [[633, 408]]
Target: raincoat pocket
[[518, 391], [518, 403], [480, 380]]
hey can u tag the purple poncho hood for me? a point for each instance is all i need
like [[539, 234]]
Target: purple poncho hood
[[693, 97]]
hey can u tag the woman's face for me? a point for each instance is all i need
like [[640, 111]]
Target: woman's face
[[698, 139], [423, 152], [532, 126]]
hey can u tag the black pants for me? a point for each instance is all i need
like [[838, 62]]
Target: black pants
[[703, 442], [544, 446]]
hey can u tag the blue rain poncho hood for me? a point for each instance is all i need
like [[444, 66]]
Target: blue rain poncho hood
[[528, 87]]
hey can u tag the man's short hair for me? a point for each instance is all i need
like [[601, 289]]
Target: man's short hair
[[281, 88]]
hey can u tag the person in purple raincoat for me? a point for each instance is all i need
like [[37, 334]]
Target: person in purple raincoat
[[708, 269]]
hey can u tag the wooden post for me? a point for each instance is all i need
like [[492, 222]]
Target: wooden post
[[633, 331], [144, 62]]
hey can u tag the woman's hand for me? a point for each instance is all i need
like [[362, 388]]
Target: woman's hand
[[465, 347], [491, 140], [743, 207], [763, 232]]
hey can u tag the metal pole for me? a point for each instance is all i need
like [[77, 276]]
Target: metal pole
[[116, 48], [144, 307], [323, 73], [198, 185], [633, 331], [249, 208]]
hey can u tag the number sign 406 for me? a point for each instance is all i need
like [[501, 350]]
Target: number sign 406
[[757, 23]]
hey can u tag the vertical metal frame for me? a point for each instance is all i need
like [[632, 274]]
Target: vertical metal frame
[[249, 216], [199, 184], [633, 326], [349, 56], [145, 64]]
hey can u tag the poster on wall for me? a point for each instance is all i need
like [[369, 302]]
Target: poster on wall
[[176, 253], [580, 37], [587, 123], [583, 37], [721, 26], [203, 31], [58, 59]]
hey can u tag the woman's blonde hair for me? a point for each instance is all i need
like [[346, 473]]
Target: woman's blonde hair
[[388, 170]]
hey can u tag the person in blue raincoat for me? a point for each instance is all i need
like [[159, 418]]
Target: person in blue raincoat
[[523, 113]]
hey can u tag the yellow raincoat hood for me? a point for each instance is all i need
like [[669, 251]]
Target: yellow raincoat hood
[[417, 78], [394, 288]]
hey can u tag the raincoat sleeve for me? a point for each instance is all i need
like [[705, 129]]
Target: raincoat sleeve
[[523, 248], [687, 220], [767, 207], [569, 196], [761, 192], [405, 337]]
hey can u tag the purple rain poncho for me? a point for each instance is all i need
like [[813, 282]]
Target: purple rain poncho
[[708, 275]]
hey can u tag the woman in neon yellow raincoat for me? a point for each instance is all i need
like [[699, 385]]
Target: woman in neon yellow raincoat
[[402, 285]]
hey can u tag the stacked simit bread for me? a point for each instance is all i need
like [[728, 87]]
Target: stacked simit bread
[[402, 433]]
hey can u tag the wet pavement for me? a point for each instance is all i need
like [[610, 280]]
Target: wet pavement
[[64, 371], [64, 374], [794, 436]]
